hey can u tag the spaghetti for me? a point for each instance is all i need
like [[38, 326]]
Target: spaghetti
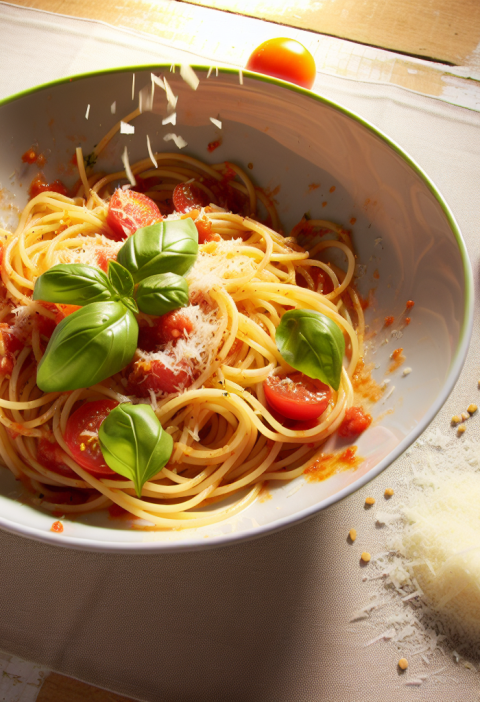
[[227, 440]]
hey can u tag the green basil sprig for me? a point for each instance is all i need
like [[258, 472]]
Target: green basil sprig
[[73, 284], [90, 345], [100, 339], [134, 444], [162, 293], [165, 247], [313, 344]]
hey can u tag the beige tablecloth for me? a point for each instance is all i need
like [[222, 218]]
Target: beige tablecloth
[[266, 620]]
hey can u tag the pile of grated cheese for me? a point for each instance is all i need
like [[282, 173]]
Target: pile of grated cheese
[[197, 349], [425, 580]]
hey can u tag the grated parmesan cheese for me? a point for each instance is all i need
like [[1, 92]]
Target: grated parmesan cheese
[[178, 140], [126, 128], [216, 122], [170, 119], [126, 165], [197, 349], [189, 76]]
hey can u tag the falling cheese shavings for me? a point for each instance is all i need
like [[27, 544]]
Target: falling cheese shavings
[[171, 98], [178, 140], [189, 76], [126, 128], [240, 76], [133, 86], [126, 165], [157, 81], [216, 122], [150, 153], [113, 107], [170, 119], [87, 112], [209, 71]]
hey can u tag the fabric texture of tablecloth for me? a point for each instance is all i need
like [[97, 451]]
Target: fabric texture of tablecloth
[[266, 620]]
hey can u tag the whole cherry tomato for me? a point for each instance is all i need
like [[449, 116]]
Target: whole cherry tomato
[[286, 59]]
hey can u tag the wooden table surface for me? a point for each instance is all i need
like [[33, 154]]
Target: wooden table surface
[[445, 32]]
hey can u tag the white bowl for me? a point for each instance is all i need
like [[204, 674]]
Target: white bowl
[[404, 230]]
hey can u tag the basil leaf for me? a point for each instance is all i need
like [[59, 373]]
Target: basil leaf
[[90, 345], [313, 344], [130, 303], [134, 444], [120, 279], [165, 247], [73, 284], [162, 293]]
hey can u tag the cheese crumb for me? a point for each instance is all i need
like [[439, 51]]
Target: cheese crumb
[[471, 409], [406, 371], [352, 534], [456, 419], [389, 492], [365, 557], [370, 501], [403, 664], [465, 416], [461, 429]]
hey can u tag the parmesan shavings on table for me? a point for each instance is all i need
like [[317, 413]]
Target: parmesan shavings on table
[[426, 580]]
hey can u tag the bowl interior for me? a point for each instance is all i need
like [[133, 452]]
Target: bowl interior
[[312, 157]]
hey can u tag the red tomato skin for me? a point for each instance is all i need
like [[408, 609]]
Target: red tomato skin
[[129, 211], [50, 456], [303, 400], [173, 326], [89, 417], [355, 422], [153, 375], [204, 229], [286, 59], [188, 196]]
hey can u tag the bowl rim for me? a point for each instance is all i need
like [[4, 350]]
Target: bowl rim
[[144, 548]]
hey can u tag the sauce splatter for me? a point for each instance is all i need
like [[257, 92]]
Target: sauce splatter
[[214, 145], [389, 321], [363, 383], [398, 358], [331, 463], [40, 185], [353, 220], [332, 189], [313, 186]]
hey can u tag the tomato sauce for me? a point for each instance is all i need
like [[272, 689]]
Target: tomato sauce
[[331, 463], [40, 185], [57, 527], [363, 383], [389, 321], [214, 145], [397, 359], [355, 422]]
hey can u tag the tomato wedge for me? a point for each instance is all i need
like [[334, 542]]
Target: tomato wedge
[[188, 196], [154, 375], [297, 396], [129, 211], [85, 448], [286, 59]]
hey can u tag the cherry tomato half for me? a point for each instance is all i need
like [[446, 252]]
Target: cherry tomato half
[[129, 211], [286, 59], [187, 196], [154, 375], [297, 396], [84, 447]]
